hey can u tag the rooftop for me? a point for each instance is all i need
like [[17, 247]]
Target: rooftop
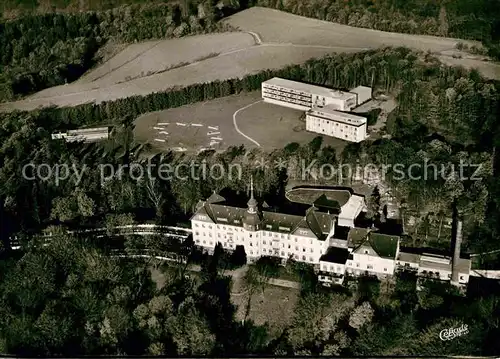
[[323, 202], [310, 194], [408, 257], [385, 245], [335, 255], [329, 113], [312, 89], [216, 210], [357, 236]]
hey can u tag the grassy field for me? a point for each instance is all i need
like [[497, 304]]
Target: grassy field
[[261, 122], [277, 39], [274, 306], [275, 26]]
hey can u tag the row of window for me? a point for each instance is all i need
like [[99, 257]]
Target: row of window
[[268, 87], [237, 239], [237, 229], [264, 251], [289, 100]]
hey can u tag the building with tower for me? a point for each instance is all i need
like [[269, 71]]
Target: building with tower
[[262, 231], [316, 238]]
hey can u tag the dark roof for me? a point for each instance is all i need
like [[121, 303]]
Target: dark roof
[[385, 245], [324, 202], [356, 236], [215, 198], [335, 255], [342, 232], [318, 222]]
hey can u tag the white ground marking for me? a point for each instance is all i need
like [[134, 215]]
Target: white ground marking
[[180, 124], [213, 133], [159, 140], [257, 38], [216, 138], [158, 128], [236, 125], [197, 124], [163, 123], [163, 132], [214, 143], [213, 127]]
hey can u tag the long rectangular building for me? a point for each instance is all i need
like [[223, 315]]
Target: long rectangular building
[[86, 135], [303, 96], [329, 122]]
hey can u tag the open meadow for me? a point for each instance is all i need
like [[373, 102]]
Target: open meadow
[[211, 124], [269, 39]]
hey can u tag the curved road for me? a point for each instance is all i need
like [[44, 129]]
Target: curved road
[[236, 124]]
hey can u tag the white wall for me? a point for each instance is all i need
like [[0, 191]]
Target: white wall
[[286, 104], [332, 128], [373, 264], [342, 104], [259, 243]]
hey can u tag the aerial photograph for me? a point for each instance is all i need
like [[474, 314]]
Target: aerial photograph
[[250, 178]]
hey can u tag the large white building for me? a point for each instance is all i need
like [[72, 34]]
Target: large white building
[[303, 96], [261, 232], [315, 238], [325, 108], [329, 122]]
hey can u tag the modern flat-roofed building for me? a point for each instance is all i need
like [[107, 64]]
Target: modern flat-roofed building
[[87, 134], [303, 96], [363, 93], [330, 122]]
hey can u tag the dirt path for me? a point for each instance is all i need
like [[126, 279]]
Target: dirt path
[[236, 124]]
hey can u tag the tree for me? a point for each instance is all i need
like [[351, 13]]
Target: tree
[[443, 22], [238, 257], [64, 209], [315, 144], [361, 315], [374, 204], [115, 221], [316, 317]]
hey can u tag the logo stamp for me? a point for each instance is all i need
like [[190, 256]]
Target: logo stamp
[[452, 333]]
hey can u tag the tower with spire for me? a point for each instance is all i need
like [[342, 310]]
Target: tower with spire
[[252, 218]]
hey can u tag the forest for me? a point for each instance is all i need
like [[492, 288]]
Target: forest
[[44, 50]]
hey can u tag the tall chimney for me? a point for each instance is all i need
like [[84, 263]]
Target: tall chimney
[[456, 252]]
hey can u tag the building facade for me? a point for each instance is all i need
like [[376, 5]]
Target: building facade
[[317, 239], [261, 232], [330, 122], [303, 96], [325, 108]]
